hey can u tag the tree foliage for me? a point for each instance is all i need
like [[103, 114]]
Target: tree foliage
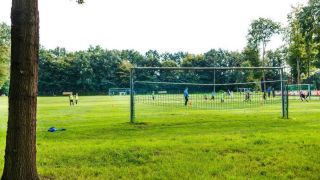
[[95, 70], [5, 43], [261, 31], [304, 41], [308, 21]]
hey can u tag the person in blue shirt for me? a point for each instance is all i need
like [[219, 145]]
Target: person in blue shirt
[[186, 96], [269, 92]]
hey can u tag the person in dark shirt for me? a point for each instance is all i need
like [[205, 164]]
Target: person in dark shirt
[[303, 97]]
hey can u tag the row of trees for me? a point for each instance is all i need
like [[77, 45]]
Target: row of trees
[[96, 70]]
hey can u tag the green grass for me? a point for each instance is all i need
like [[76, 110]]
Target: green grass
[[172, 143]]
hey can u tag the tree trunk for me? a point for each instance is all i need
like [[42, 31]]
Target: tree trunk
[[309, 58], [298, 71], [20, 153], [263, 65]]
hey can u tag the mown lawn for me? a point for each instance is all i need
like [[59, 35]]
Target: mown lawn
[[172, 143]]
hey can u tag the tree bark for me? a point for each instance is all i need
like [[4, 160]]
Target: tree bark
[[263, 65], [309, 58], [20, 153], [298, 71]]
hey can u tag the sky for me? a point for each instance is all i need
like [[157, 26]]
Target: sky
[[194, 26]]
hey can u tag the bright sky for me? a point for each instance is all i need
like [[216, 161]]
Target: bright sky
[[195, 26]]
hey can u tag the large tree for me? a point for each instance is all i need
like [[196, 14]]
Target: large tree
[[296, 53], [308, 20], [20, 153], [260, 33]]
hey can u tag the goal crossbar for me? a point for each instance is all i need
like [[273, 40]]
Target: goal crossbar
[[208, 68], [199, 84]]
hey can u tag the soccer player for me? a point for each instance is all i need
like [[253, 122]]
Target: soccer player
[[303, 97], [71, 99], [247, 97], [152, 95], [231, 94], [213, 94], [264, 96], [186, 96], [269, 92], [222, 97], [77, 98]]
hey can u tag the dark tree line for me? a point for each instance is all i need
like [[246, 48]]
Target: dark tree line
[[96, 70]]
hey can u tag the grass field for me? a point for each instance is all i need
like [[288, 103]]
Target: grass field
[[172, 143]]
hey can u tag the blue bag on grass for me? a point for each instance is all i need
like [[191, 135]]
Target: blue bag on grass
[[53, 129]]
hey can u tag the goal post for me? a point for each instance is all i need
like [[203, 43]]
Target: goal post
[[132, 113], [235, 87]]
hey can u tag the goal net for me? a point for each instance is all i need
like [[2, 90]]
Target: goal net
[[187, 89], [309, 90], [119, 91]]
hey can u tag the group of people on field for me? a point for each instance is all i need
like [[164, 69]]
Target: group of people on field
[[269, 91], [247, 97], [213, 94], [230, 94], [73, 99]]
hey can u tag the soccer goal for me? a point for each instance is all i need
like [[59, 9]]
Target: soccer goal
[[294, 90], [119, 91], [177, 89]]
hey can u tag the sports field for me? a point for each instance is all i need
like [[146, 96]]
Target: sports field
[[170, 142]]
